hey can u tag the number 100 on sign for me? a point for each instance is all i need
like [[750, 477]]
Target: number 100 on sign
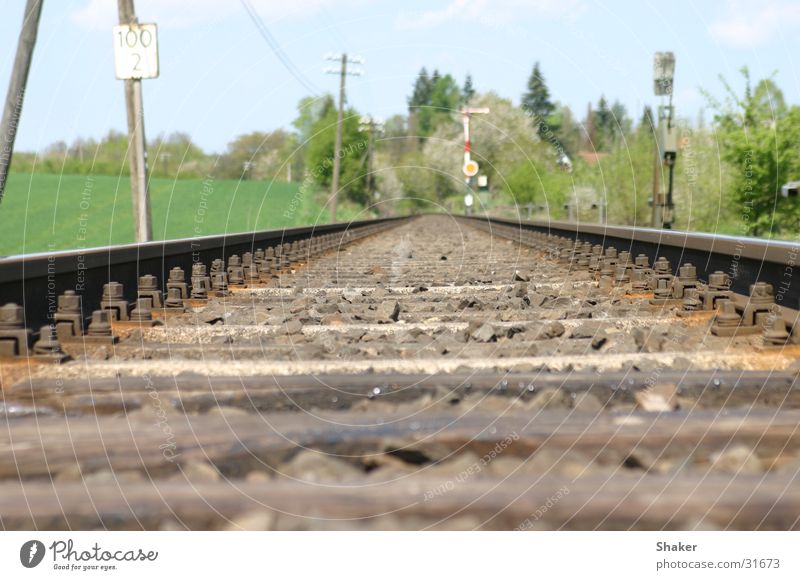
[[136, 51]]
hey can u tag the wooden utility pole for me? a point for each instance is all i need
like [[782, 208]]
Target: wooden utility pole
[[16, 87], [337, 151], [137, 156]]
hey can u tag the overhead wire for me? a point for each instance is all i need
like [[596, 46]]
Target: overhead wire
[[277, 50]]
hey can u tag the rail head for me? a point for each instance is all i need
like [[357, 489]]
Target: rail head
[[36, 280], [17, 267], [745, 260], [775, 251]]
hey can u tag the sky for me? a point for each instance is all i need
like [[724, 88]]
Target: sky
[[219, 78]]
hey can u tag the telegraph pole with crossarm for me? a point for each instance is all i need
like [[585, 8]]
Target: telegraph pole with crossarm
[[337, 152]]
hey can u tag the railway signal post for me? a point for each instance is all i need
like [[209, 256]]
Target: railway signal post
[[470, 167], [666, 140]]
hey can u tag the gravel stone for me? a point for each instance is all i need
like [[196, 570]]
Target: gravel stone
[[388, 311]]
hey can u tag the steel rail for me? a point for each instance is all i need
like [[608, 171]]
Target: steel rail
[[35, 280], [745, 260]]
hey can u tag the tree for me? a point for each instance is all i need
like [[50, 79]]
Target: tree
[[309, 111], [603, 126], [468, 91], [175, 156], [569, 134], [758, 136], [621, 123], [536, 101], [423, 89], [255, 155], [622, 179], [444, 100], [395, 136], [320, 153], [647, 123], [418, 180]]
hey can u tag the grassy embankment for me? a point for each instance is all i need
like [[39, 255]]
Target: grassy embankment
[[45, 212]]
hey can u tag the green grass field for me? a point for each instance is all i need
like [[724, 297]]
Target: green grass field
[[42, 212]]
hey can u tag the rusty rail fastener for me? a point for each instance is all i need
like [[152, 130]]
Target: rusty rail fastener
[[201, 282], [114, 301], [68, 318], [717, 289], [775, 333], [177, 280], [48, 347], [685, 280], [99, 329], [661, 281], [235, 271], [148, 288], [14, 337], [174, 301], [143, 313], [750, 317], [219, 284]]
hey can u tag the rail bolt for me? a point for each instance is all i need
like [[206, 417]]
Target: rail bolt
[[148, 282], [12, 316], [177, 274], [719, 280], [48, 345], [662, 266], [174, 299], [142, 312], [14, 337], [688, 272], [691, 299], [761, 291], [113, 291], [200, 287], [662, 289], [775, 331], [727, 315], [100, 324], [69, 302], [68, 318], [148, 288]]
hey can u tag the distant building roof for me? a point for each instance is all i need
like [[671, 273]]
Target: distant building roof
[[592, 157]]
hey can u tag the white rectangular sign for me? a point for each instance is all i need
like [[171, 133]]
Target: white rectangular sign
[[136, 51]]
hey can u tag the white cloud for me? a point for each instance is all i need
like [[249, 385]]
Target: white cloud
[[753, 24], [102, 14], [490, 12]]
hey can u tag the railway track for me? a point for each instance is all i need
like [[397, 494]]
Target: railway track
[[429, 372]]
